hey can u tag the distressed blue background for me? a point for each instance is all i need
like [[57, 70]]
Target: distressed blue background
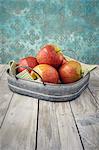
[[28, 24]]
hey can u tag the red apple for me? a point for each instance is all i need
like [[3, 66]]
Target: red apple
[[47, 73], [28, 62], [64, 60], [50, 55], [70, 72]]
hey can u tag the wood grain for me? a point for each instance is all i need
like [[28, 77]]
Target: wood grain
[[94, 84], [86, 114], [56, 128], [19, 128], [5, 98], [2, 69], [4, 75], [5, 94]]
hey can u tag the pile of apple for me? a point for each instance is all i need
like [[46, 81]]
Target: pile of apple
[[51, 66]]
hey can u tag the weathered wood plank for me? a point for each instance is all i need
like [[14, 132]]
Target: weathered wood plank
[[19, 128], [94, 83], [5, 98], [86, 113], [56, 128], [94, 77], [4, 75], [2, 68]]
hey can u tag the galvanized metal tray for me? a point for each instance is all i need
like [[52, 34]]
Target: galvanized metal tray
[[48, 91]]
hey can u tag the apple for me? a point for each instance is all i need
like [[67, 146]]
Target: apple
[[46, 72], [50, 54], [29, 61], [64, 60], [70, 72]]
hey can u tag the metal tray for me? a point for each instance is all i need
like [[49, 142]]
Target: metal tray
[[49, 92]]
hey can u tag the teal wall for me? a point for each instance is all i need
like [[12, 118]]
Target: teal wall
[[26, 25]]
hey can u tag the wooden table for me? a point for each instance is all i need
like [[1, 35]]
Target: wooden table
[[30, 124]]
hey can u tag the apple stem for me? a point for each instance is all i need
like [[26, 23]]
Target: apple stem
[[29, 68], [58, 51]]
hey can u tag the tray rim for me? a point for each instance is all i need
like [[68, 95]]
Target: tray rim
[[49, 92], [51, 84], [65, 98]]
